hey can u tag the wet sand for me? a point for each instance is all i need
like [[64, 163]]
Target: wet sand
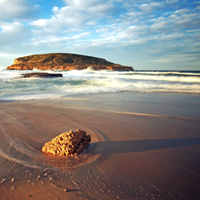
[[144, 146]]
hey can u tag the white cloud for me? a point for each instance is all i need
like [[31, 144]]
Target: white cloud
[[83, 4], [54, 40], [131, 27], [172, 36], [182, 11], [184, 19], [136, 27], [145, 7], [100, 9], [149, 7], [40, 23], [172, 1], [155, 3], [15, 9], [75, 15], [5, 55], [160, 25], [11, 32]]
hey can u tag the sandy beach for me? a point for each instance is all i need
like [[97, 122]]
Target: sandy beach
[[144, 146]]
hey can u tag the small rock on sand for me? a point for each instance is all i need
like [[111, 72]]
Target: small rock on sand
[[68, 143]]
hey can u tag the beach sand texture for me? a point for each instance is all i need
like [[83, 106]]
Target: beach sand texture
[[144, 146]]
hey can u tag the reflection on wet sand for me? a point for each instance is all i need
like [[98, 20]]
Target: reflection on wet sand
[[130, 157]]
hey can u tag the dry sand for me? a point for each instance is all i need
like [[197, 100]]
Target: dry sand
[[144, 146]]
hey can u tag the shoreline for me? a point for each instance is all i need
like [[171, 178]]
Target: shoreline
[[144, 146]]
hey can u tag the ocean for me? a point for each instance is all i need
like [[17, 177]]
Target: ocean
[[144, 127], [75, 82]]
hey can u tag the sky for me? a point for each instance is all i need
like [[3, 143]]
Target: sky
[[144, 34]]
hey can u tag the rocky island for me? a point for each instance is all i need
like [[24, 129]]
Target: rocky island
[[64, 61]]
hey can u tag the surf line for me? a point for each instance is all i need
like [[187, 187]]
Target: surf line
[[125, 113], [152, 115]]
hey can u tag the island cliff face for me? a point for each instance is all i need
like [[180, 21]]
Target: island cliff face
[[64, 61]]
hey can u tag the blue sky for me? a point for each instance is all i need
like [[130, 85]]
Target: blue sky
[[147, 35]]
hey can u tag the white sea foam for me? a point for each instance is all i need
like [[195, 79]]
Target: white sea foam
[[169, 73], [195, 77], [88, 82]]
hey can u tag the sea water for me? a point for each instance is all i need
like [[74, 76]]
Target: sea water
[[13, 87], [137, 112]]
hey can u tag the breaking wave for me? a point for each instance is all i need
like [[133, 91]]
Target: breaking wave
[[13, 87]]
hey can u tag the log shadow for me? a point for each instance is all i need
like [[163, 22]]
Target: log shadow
[[128, 146]]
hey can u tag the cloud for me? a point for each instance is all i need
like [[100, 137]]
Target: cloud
[[53, 40], [15, 9], [100, 10], [11, 32], [160, 25], [185, 19], [145, 7], [5, 55], [131, 27], [83, 4], [76, 15], [171, 1], [149, 7]]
